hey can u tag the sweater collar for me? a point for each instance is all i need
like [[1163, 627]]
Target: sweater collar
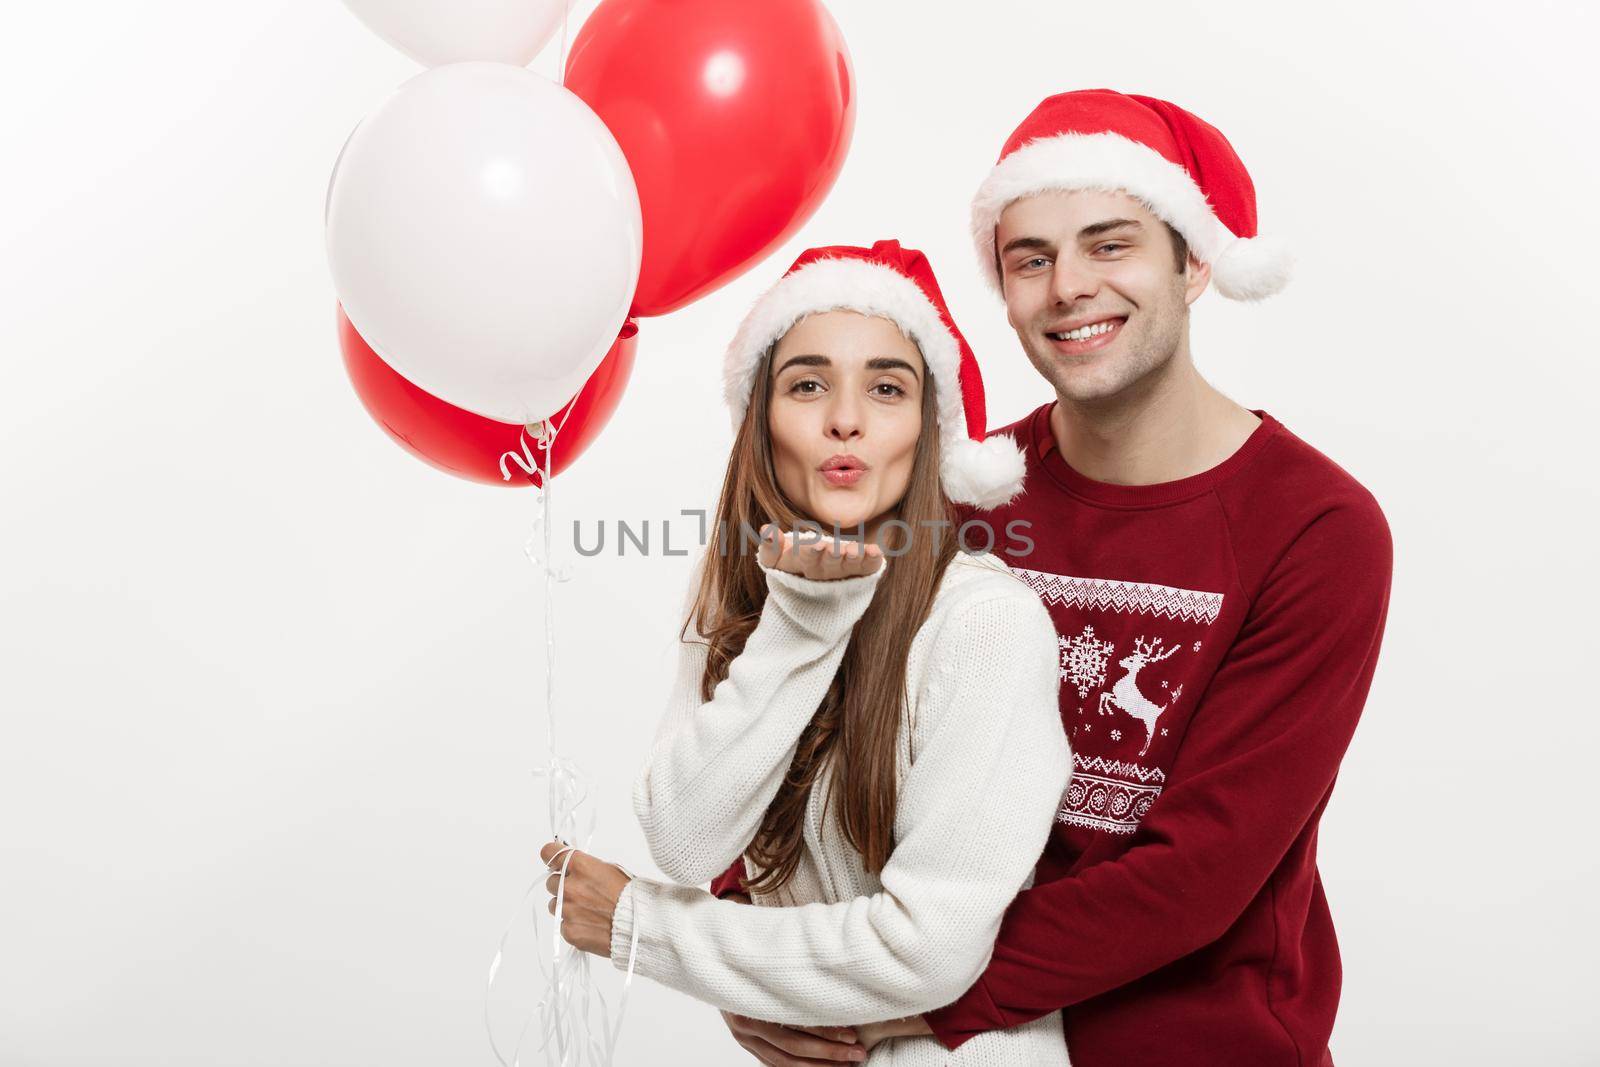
[[1043, 445]]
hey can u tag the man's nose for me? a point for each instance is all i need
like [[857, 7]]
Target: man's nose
[[1071, 281]]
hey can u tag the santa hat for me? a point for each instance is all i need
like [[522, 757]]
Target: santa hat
[[896, 284], [1180, 166]]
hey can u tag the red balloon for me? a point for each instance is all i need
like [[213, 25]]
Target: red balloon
[[466, 444], [735, 116]]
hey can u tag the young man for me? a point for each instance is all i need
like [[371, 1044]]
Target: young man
[[1219, 588]]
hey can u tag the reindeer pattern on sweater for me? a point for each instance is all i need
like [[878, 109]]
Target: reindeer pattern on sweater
[[1127, 650]]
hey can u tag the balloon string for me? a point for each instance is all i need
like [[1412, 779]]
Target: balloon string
[[566, 12], [566, 1029]]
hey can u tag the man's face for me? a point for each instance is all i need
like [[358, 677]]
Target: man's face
[[1092, 289]]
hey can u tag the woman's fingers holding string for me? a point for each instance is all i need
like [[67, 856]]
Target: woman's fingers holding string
[[587, 883]]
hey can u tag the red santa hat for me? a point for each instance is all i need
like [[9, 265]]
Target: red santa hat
[[1180, 166], [897, 284]]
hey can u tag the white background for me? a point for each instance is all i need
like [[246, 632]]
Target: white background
[[272, 689]]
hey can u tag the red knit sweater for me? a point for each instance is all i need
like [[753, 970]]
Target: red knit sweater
[[1218, 635]]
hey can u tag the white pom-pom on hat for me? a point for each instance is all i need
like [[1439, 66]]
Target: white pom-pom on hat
[[985, 473], [1253, 268]]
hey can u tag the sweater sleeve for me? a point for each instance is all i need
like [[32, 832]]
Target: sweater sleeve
[[1256, 766], [973, 813], [715, 765]]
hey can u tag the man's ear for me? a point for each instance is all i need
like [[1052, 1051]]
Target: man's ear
[[1197, 276]]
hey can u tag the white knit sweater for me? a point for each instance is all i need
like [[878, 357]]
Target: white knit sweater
[[982, 765]]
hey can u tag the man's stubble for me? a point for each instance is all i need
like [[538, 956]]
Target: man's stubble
[[1149, 340]]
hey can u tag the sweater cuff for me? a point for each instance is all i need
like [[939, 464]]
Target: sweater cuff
[[623, 920], [640, 908], [829, 608], [971, 1014]]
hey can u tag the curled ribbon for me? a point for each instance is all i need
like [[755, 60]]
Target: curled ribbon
[[568, 1031], [568, 1034], [543, 438]]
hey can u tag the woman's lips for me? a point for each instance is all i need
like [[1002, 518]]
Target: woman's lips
[[1090, 344], [844, 475]]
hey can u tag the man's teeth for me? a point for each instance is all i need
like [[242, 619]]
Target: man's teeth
[[1083, 333]]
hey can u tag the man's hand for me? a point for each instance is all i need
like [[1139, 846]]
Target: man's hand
[[795, 1046], [804, 1046], [792, 1046], [816, 556], [589, 899], [910, 1026]]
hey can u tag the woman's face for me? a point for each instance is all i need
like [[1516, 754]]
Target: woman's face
[[845, 416]]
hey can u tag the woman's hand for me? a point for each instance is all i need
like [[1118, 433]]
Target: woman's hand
[[590, 897], [817, 556]]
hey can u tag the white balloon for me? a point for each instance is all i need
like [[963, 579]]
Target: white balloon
[[434, 32], [484, 234]]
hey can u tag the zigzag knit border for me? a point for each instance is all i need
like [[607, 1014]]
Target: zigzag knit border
[[1131, 598]]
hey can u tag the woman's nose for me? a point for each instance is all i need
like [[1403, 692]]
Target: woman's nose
[[844, 419]]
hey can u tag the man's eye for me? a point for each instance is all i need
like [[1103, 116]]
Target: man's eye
[[1031, 264], [1111, 246]]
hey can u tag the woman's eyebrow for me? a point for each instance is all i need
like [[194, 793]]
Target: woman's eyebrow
[[808, 360], [875, 363], [891, 363]]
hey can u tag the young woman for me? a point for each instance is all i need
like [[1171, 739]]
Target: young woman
[[873, 726]]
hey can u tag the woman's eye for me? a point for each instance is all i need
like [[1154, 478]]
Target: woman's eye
[[801, 386], [894, 390]]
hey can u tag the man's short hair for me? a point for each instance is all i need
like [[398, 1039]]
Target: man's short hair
[[1180, 248]]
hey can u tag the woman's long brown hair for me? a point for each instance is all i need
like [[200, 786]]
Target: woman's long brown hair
[[857, 723]]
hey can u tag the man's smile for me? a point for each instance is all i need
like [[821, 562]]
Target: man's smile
[[1087, 336]]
